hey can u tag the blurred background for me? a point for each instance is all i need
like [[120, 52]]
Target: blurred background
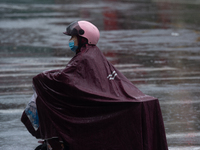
[[154, 43]]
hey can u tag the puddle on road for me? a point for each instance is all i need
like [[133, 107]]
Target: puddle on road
[[157, 51]]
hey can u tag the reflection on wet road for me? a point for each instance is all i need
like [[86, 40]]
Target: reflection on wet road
[[157, 51]]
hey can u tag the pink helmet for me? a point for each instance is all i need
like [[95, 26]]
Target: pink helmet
[[84, 29]]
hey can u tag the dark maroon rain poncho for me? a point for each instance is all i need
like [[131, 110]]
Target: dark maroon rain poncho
[[92, 106]]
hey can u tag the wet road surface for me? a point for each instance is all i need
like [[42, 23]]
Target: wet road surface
[[154, 44]]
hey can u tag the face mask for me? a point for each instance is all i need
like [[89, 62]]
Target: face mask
[[72, 46]]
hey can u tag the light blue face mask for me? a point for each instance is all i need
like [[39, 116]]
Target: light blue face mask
[[72, 46]]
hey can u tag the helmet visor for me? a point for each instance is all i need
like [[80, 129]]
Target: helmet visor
[[72, 29]]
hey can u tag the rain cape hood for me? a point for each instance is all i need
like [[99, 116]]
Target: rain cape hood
[[92, 106]]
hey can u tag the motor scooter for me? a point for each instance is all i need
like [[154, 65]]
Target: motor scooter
[[42, 146], [45, 145]]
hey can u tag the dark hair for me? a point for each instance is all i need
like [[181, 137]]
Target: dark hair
[[81, 42]]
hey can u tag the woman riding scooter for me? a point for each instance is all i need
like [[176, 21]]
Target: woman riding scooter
[[90, 105]]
